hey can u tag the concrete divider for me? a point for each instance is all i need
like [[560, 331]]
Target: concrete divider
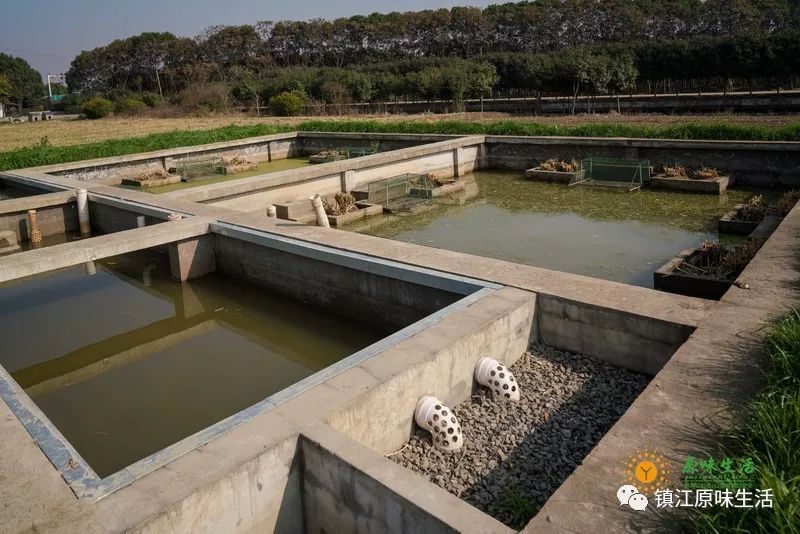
[[446, 158], [350, 488], [57, 213], [78, 252]]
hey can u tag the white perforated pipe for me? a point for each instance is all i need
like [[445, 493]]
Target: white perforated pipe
[[432, 415], [83, 211], [496, 376], [319, 211]]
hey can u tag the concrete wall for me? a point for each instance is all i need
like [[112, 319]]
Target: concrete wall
[[256, 194], [636, 342], [314, 143], [763, 164], [338, 497], [110, 171], [53, 220], [107, 219], [371, 298], [436, 363], [261, 495]]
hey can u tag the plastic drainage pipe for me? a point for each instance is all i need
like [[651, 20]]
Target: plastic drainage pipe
[[432, 415], [83, 211], [495, 376], [91, 268], [272, 212], [34, 234], [319, 211]]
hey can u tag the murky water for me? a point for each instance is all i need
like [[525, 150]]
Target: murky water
[[126, 362], [263, 168], [600, 232]]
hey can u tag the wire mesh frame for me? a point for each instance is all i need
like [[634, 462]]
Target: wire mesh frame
[[591, 168], [389, 189], [200, 167]]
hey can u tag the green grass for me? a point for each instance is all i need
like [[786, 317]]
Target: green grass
[[713, 131], [46, 154], [769, 432]]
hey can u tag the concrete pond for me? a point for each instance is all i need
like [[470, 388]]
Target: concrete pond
[[190, 363], [599, 232]]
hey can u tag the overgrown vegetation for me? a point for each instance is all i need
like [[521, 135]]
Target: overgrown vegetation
[[679, 172], [554, 165], [716, 260], [756, 208], [768, 431], [340, 204]]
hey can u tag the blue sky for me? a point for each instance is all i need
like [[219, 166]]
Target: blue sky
[[50, 33]]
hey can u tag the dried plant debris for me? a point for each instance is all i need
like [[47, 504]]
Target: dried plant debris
[[554, 165], [721, 262], [340, 204]]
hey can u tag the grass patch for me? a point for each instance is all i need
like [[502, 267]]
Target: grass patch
[[713, 131], [769, 432], [45, 153]]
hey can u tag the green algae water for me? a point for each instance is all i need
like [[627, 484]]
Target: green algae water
[[595, 231], [263, 168], [126, 361]]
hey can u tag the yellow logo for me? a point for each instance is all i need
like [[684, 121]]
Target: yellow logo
[[647, 471]]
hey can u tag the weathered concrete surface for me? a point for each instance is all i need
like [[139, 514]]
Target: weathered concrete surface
[[192, 258], [56, 213], [715, 186], [371, 298], [437, 362], [696, 392], [349, 488], [79, 252]]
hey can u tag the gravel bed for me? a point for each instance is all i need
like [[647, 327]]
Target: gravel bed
[[516, 455]]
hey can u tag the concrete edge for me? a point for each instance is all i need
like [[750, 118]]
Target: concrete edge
[[413, 488]]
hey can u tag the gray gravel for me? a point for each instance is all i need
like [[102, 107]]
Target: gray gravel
[[516, 455]]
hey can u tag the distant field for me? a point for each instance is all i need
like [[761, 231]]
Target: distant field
[[76, 132]]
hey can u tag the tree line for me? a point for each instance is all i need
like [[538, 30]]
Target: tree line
[[545, 47]]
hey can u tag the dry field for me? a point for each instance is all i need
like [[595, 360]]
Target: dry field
[[74, 131]]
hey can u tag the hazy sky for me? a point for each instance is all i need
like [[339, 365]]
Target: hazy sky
[[50, 33]]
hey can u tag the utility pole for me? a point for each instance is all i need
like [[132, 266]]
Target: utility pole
[[158, 81]]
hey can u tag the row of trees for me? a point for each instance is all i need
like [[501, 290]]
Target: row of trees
[[550, 47]]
